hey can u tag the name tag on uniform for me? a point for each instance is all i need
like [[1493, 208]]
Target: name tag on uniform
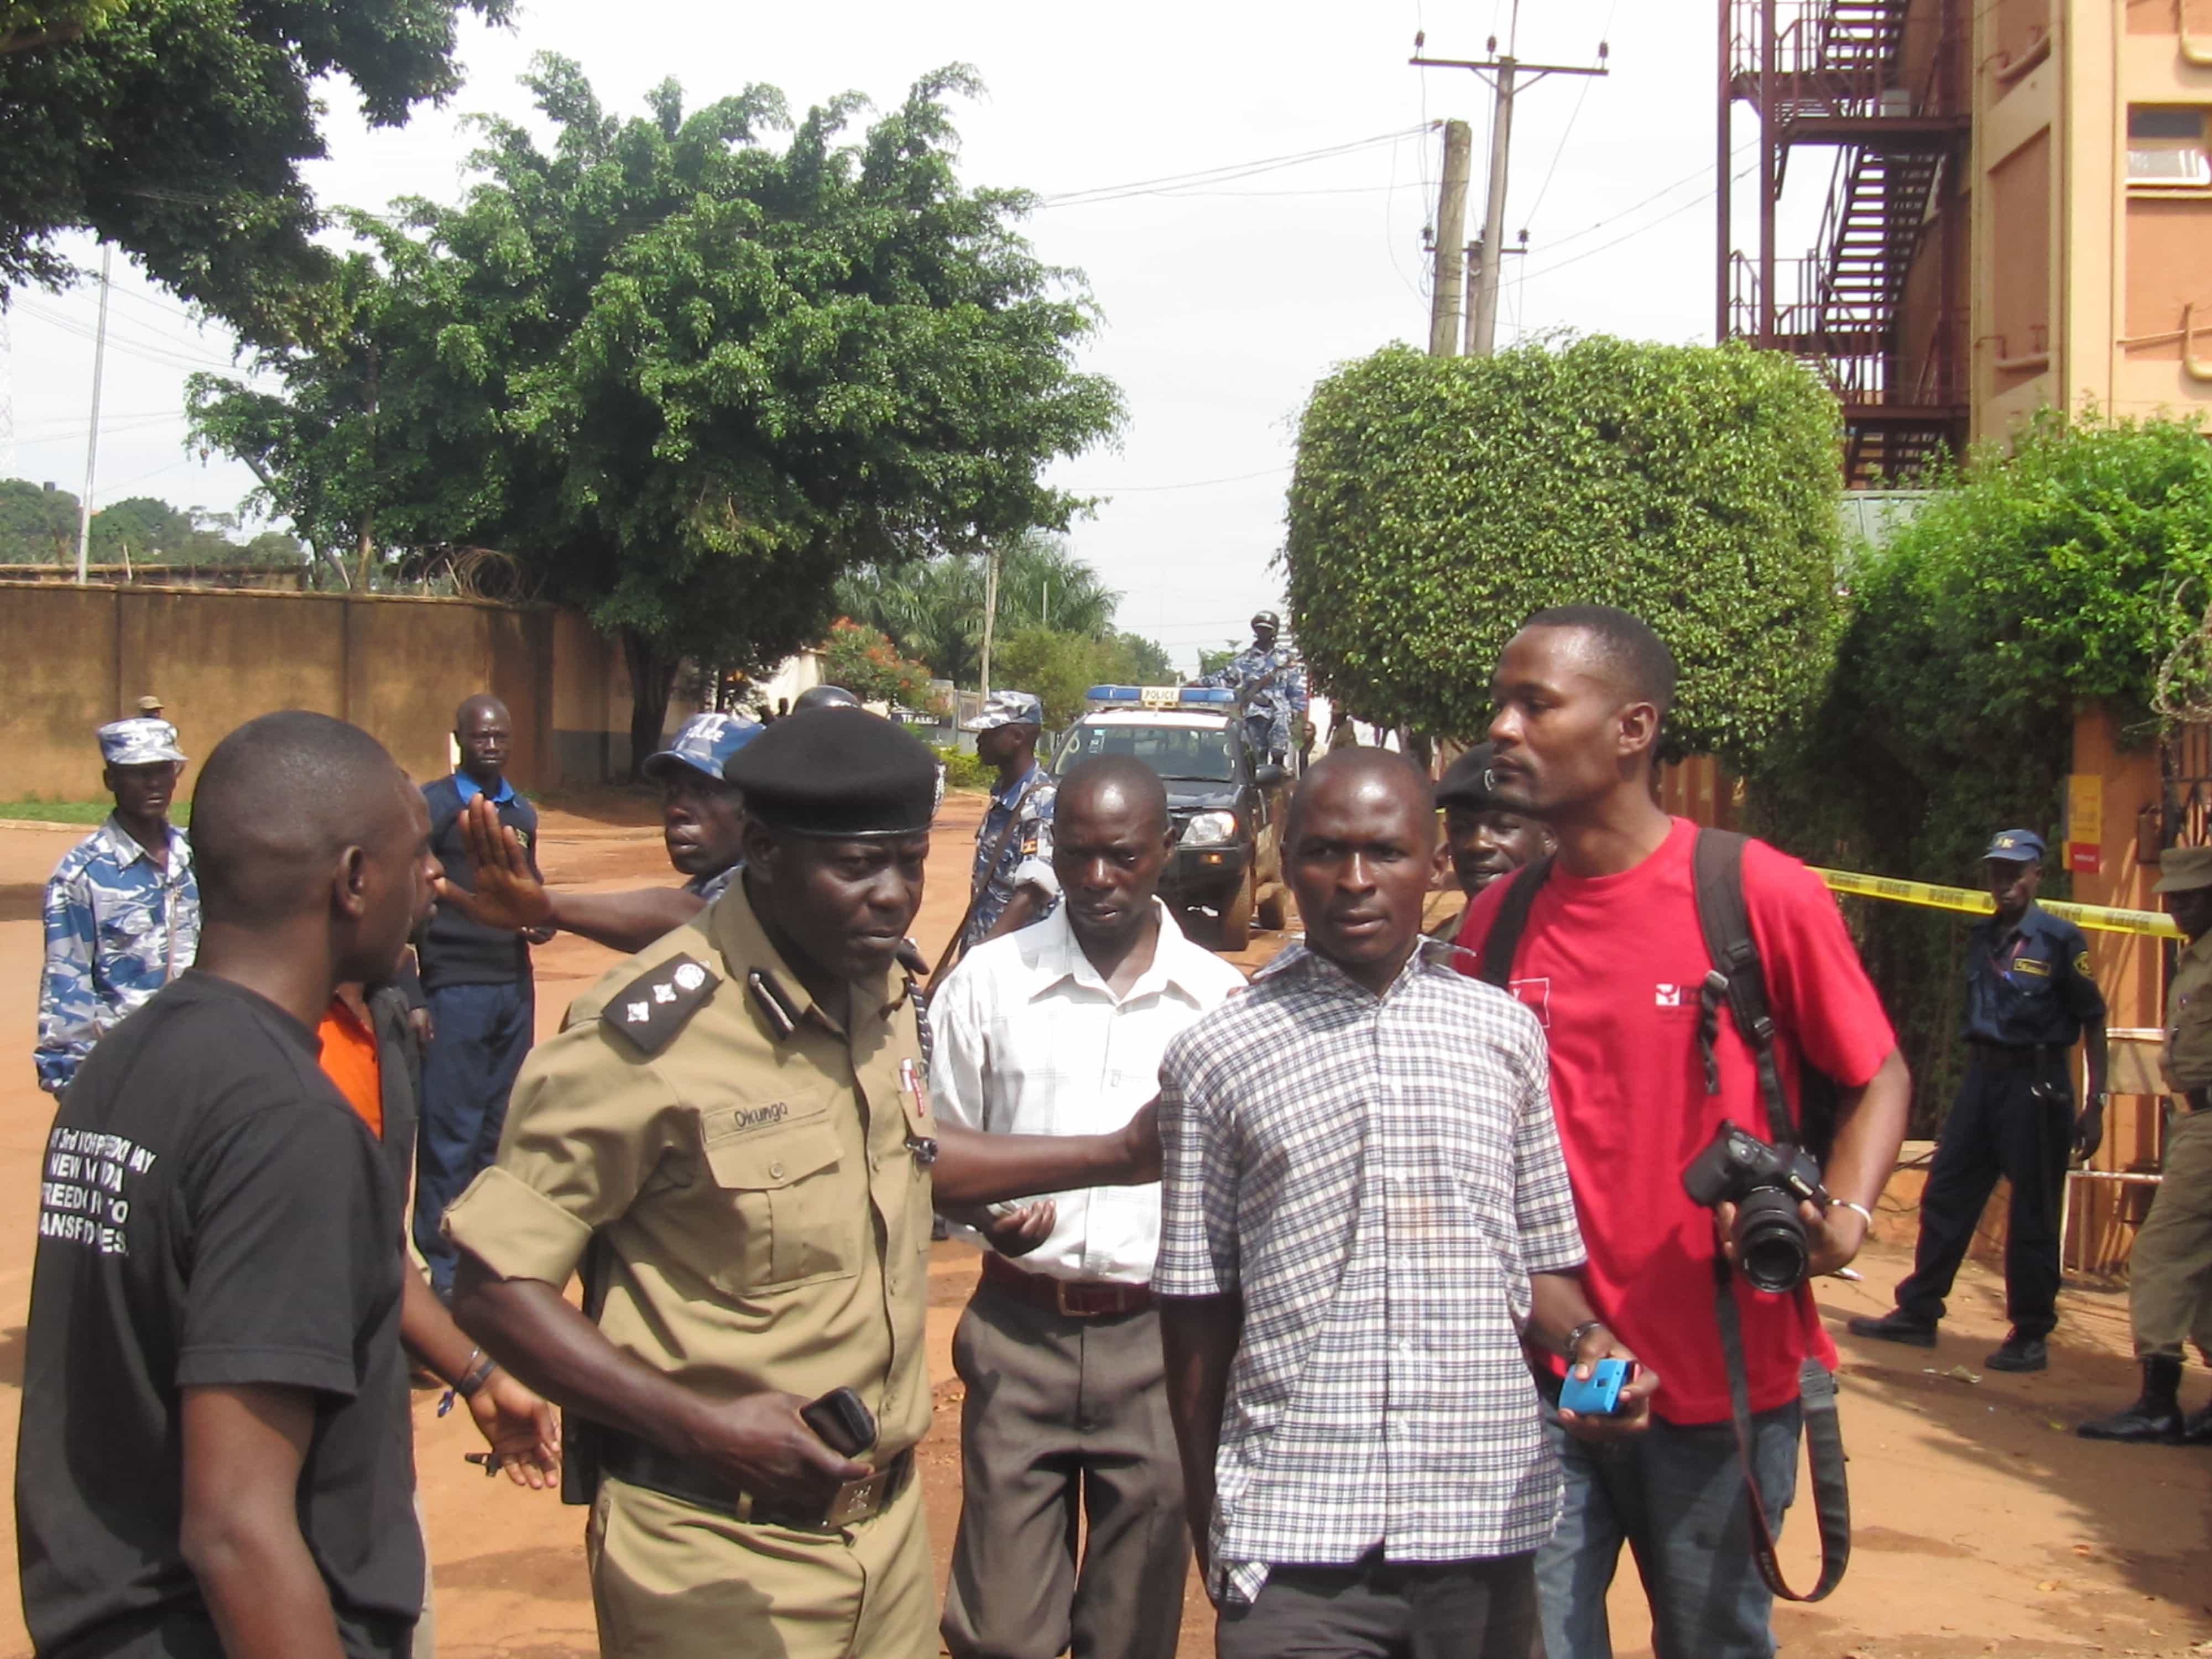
[[2034, 968]]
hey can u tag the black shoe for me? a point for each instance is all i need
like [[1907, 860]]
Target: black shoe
[[1895, 1326], [2020, 1353], [2156, 1418], [2196, 1428]]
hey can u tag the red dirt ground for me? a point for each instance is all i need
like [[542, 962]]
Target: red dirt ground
[[1983, 1525]]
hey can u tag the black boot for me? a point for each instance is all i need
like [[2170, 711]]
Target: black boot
[[2156, 1418], [1896, 1326], [2197, 1430]]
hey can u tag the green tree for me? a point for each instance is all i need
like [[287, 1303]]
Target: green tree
[[176, 128], [1437, 502], [935, 611], [28, 23], [38, 524], [1134, 659], [1211, 661], [2076, 566], [866, 663], [689, 378]]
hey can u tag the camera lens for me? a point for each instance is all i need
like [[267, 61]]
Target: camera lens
[[1770, 1240]]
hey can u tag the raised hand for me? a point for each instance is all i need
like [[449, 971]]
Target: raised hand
[[506, 895]]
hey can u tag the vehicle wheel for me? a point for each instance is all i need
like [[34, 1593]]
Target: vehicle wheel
[[1274, 910], [1237, 914]]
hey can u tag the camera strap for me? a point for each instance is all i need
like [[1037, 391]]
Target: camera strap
[[1824, 1442], [1738, 979]]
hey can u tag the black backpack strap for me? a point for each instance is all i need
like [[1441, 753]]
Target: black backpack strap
[[1503, 942], [1736, 977]]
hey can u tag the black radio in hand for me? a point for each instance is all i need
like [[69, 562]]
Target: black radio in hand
[[1766, 1184]]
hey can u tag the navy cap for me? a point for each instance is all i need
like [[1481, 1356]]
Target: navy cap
[[705, 743], [2016, 847], [837, 772], [1466, 782]]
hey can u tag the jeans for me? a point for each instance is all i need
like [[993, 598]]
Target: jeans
[[1674, 1496], [479, 1034]]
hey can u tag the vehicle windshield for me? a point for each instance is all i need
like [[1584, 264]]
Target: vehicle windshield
[[1180, 753]]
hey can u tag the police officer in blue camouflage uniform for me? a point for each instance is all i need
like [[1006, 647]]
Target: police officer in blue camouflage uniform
[[1271, 682], [2030, 997], [122, 909], [1013, 883], [702, 817]]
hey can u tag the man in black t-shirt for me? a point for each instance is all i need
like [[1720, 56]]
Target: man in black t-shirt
[[214, 1457], [482, 1002]]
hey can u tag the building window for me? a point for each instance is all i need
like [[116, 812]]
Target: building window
[[2167, 145]]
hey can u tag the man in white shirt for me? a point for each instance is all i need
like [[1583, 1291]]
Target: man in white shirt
[[1048, 1030]]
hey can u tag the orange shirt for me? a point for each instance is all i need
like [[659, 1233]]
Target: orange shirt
[[349, 1060]]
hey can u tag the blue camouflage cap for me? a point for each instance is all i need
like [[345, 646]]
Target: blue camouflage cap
[[1007, 708], [2015, 847], [704, 743], [144, 741]]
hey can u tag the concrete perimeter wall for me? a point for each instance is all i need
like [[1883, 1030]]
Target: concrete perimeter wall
[[394, 665]]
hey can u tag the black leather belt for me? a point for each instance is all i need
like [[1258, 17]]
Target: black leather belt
[[2015, 1057], [643, 1464]]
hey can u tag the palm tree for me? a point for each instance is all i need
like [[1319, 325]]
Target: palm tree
[[934, 612]]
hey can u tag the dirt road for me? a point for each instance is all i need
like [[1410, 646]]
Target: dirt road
[[1983, 1525]]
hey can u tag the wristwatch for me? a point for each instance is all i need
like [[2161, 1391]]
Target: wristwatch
[[1573, 1346]]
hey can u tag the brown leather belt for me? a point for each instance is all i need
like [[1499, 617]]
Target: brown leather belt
[[1076, 1298], [643, 1464], [2009, 1057]]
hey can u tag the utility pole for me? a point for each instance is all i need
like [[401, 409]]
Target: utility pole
[[1445, 297], [92, 443], [1508, 77], [990, 612]]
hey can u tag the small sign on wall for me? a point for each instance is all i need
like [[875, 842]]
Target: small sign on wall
[[2085, 823]]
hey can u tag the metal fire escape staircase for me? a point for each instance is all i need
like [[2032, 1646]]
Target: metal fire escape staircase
[[1834, 73]]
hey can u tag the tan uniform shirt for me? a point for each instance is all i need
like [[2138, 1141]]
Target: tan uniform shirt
[[765, 1222], [2189, 1018]]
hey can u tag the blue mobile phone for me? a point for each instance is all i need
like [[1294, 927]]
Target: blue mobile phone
[[1598, 1395]]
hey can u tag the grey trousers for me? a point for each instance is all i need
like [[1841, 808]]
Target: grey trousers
[[1065, 1434], [1379, 1610]]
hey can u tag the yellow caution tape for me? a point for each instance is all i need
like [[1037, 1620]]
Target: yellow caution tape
[[2103, 918]]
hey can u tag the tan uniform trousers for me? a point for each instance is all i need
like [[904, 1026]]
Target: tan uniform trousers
[[673, 1581], [2170, 1271]]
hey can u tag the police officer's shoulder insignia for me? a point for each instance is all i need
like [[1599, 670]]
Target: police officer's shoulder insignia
[[2082, 964], [650, 1011]]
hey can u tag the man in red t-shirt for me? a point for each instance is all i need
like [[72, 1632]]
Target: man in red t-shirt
[[1611, 960]]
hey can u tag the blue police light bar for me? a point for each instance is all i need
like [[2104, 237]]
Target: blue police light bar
[[1160, 696]]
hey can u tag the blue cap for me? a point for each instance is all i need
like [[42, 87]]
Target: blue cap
[[2016, 847], [703, 744], [1007, 708], [144, 741]]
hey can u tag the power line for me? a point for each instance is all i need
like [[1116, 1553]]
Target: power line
[[1168, 183], [1195, 484], [1627, 236], [1580, 99]]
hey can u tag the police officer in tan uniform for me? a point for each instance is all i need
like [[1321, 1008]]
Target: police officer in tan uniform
[[2170, 1270], [731, 1142]]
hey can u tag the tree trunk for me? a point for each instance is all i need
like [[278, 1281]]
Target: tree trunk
[[652, 679]]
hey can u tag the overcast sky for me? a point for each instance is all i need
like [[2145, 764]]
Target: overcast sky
[[1223, 301]]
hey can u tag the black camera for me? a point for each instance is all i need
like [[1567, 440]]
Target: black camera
[[1767, 1184]]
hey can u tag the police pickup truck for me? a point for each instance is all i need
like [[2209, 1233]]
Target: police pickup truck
[[1225, 798]]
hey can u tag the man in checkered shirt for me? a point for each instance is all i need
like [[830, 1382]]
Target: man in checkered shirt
[[1365, 1212]]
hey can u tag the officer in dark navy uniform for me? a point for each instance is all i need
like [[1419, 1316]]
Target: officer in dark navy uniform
[[2029, 998]]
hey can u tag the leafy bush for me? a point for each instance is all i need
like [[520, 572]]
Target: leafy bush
[[963, 770], [867, 663], [2066, 570], [1437, 502]]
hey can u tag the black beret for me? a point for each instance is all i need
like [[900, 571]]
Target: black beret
[[1466, 782], [837, 771]]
